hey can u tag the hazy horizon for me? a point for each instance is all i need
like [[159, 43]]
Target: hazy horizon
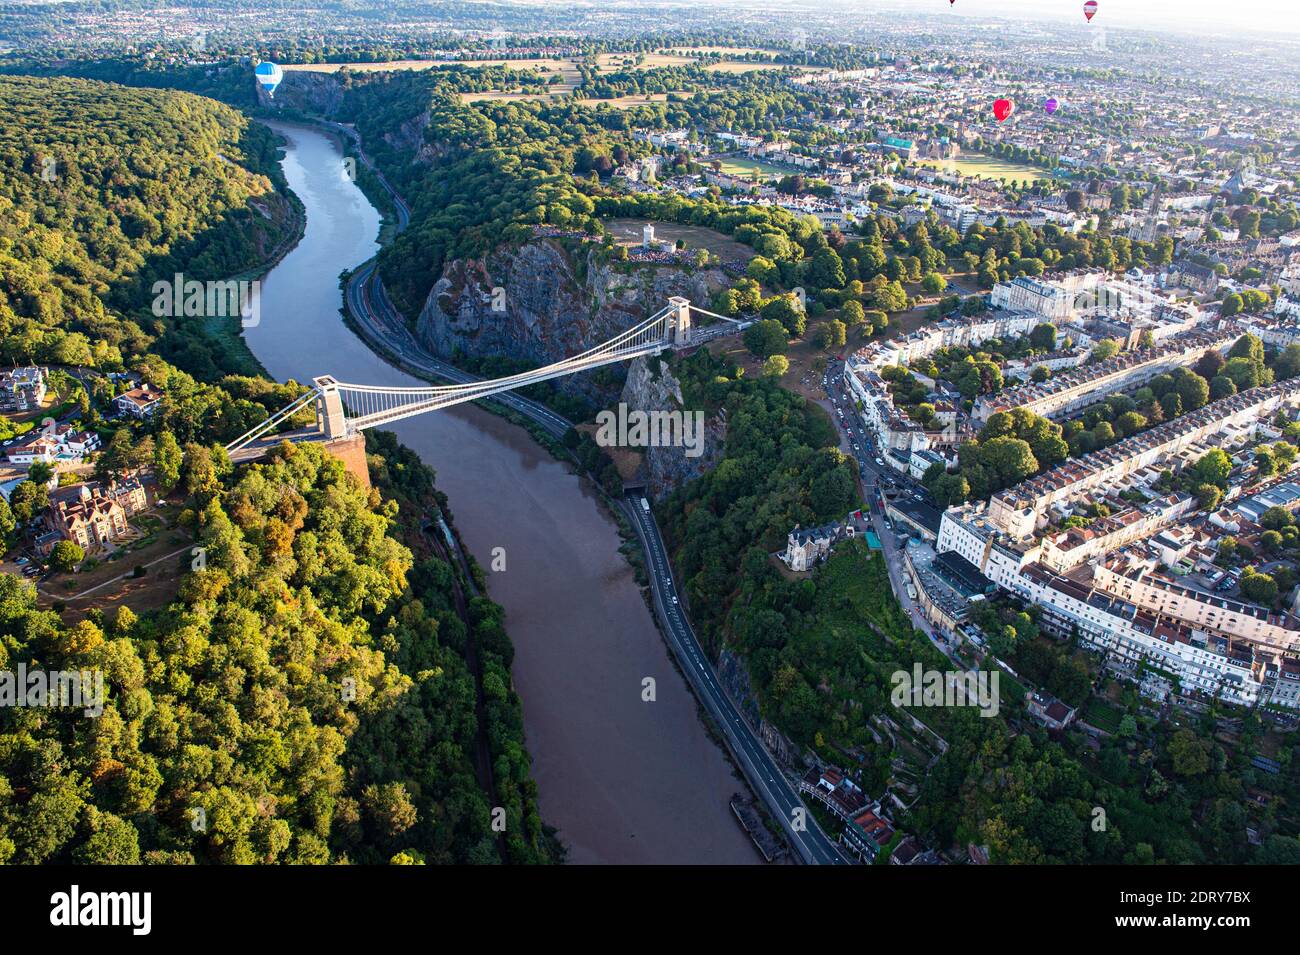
[[1208, 16], [1211, 16]]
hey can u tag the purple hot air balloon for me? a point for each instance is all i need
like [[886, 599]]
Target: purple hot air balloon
[[1051, 105]]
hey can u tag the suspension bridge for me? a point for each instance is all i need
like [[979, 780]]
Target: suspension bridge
[[344, 410]]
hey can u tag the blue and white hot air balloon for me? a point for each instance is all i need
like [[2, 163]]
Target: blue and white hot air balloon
[[269, 76]]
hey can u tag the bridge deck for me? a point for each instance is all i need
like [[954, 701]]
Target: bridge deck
[[350, 408]]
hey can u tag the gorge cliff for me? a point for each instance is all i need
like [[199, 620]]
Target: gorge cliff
[[543, 301]]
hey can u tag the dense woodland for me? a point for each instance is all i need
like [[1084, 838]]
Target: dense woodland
[[307, 696], [106, 190], [298, 692]]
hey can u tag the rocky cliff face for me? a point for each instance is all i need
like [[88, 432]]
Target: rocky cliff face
[[650, 386], [545, 311], [319, 93]]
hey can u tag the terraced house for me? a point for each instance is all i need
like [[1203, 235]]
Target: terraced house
[[1076, 389], [1021, 509]]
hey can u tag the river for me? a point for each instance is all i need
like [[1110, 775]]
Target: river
[[624, 781]]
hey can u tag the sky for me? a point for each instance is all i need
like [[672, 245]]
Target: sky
[[1218, 16]]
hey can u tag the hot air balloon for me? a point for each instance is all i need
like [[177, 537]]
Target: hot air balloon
[[269, 76], [1002, 108], [1051, 105], [1090, 9]]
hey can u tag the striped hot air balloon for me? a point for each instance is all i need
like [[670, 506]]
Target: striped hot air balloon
[[269, 76], [1090, 9]]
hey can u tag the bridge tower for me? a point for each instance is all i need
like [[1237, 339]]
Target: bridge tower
[[679, 320], [330, 418]]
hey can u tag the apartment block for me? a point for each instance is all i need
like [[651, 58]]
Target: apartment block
[[1245, 661], [22, 389]]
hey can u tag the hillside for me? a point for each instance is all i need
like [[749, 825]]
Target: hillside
[[104, 190], [304, 696]]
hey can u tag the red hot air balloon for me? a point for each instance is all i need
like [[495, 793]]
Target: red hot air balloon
[[1090, 9], [1002, 108]]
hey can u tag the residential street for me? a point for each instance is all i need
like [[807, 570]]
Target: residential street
[[877, 478]]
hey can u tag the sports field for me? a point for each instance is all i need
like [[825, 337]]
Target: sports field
[[743, 167], [988, 167]]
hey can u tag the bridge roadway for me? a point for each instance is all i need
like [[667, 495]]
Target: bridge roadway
[[369, 406], [381, 325]]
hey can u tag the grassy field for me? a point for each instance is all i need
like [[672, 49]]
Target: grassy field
[[743, 167], [627, 102], [987, 167], [497, 95], [736, 66], [628, 232], [613, 62], [567, 69], [807, 361]]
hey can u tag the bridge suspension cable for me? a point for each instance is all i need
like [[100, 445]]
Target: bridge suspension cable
[[372, 405], [343, 408], [725, 318], [261, 430]]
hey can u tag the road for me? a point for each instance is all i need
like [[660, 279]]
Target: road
[[765, 776], [877, 478]]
